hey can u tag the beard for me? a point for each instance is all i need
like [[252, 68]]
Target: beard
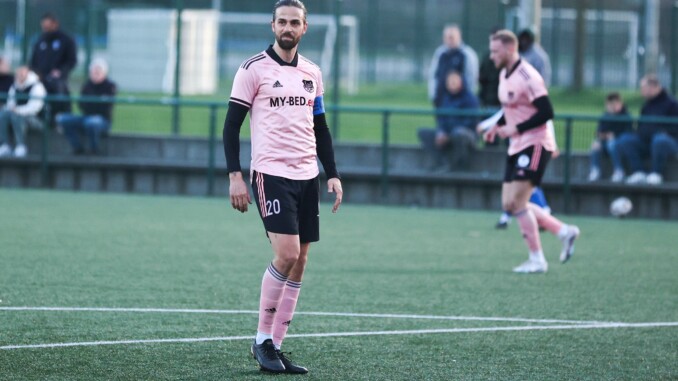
[[287, 44]]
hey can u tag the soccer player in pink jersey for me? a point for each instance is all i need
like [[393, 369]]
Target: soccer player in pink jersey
[[527, 109], [283, 92]]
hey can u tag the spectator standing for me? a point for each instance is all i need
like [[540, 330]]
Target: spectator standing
[[96, 116], [24, 103], [534, 54], [455, 132], [448, 53], [6, 80], [54, 56], [658, 141], [488, 81], [610, 128]]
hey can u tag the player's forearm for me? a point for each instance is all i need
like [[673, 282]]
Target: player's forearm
[[544, 114], [231, 135]]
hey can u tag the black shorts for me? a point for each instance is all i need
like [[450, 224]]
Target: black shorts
[[288, 206], [528, 164]]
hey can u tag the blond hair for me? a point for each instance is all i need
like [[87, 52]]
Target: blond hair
[[505, 36]]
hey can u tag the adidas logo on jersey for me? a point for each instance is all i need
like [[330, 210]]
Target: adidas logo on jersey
[[277, 84]]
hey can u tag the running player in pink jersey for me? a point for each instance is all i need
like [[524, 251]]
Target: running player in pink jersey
[[283, 92], [527, 109]]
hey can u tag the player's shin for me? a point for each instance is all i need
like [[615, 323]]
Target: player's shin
[[545, 220], [530, 229], [272, 286], [283, 317]]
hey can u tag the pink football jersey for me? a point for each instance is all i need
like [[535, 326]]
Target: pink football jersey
[[516, 94], [280, 97]]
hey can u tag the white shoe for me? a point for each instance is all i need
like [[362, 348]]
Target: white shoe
[[594, 175], [532, 266], [20, 151], [568, 243], [654, 178], [617, 176], [5, 150], [637, 178]]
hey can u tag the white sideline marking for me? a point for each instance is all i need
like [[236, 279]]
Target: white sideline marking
[[348, 334], [343, 314]]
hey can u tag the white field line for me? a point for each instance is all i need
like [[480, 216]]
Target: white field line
[[342, 314], [353, 334]]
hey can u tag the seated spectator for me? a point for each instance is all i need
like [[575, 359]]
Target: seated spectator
[[455, 132], [658, 141], [6, 80], [608, 131], [96, 117], [25, 101]]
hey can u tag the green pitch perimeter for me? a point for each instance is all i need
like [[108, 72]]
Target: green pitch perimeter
[[164, 288]]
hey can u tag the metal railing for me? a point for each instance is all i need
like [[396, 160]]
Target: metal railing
[[386, 113]]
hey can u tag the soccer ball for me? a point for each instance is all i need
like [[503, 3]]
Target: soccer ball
[[620, 207]]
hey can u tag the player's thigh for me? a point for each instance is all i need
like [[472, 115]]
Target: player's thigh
[[276, 199], [309, 212]]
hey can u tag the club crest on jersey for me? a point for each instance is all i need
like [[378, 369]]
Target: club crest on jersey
[[308, 85], [510, 94]]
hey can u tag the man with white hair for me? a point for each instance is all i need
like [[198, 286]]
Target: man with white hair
[[25, 100], [96, 116]]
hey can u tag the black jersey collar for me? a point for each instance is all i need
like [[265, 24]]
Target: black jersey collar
[[515, 66], [279, 60]]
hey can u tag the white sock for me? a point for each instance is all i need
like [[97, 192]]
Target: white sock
[[261, 337], [537, 256], [563, 231]]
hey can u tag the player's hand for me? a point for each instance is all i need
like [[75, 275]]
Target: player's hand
[[334, 185], [507, 131], [237, 190], [490, 134]]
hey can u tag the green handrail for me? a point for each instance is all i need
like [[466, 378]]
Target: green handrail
[[386, 112]]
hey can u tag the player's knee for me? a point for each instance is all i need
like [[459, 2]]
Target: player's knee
[[289, 256], [509, 206]]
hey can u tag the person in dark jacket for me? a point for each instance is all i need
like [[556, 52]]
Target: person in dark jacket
[[656, 140], [453, 132], [54, 57], [6, 80], [610, 128], [96, 116]]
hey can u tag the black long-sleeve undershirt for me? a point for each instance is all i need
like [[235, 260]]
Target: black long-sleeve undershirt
[[544, 114], [231, 137], [234, 118]]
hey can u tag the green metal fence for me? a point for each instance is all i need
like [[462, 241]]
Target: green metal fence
[[568, 124]]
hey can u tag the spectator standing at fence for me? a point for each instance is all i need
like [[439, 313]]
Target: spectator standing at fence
[[527, 109], [455, 133], [610, 128], [535, 54], [24, 104], [96, 116], [53, 57], [654, 140], [452, 55], [283, 92], [6, 80]]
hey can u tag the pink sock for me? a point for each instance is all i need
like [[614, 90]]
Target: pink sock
[[272, 286], [285, 312], [545, 220], [529, 228]]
